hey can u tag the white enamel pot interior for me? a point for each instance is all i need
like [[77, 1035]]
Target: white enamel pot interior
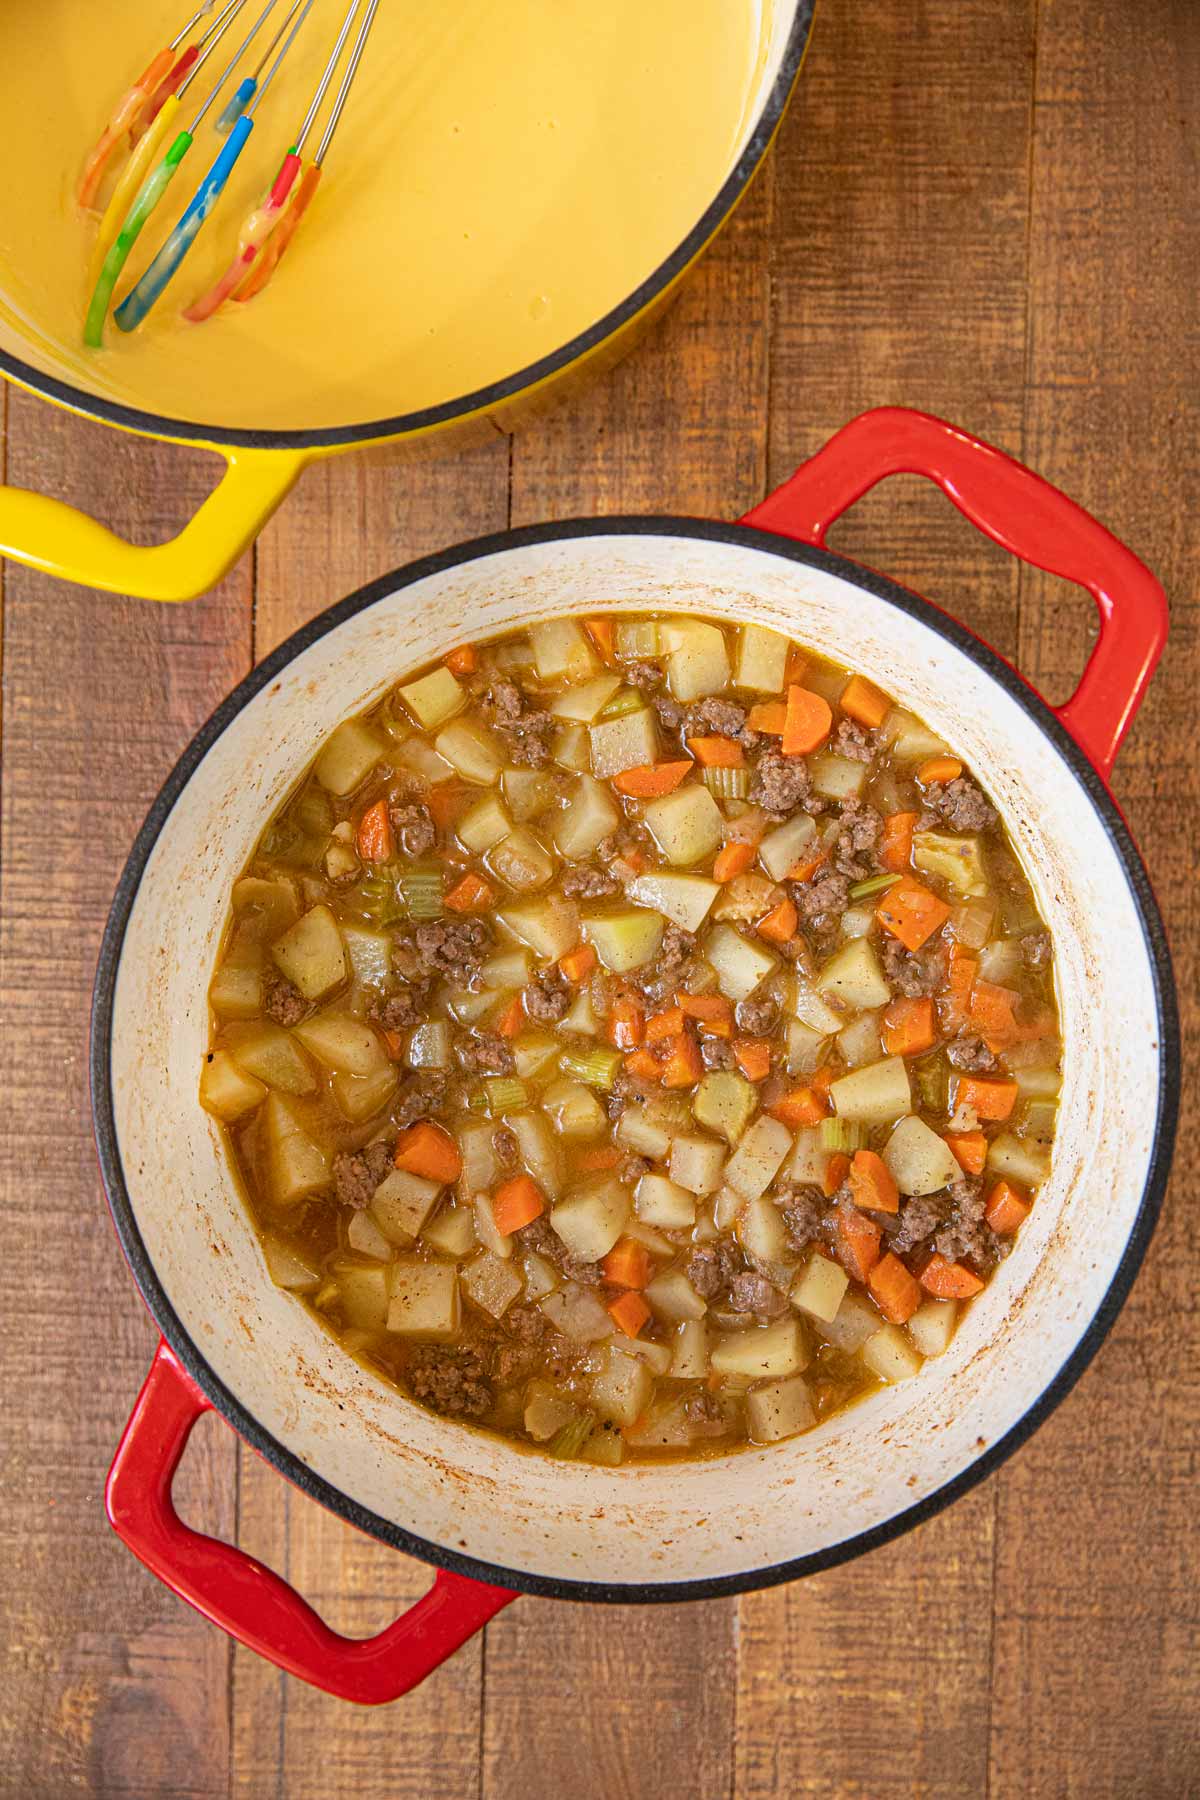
[[475, 1503]]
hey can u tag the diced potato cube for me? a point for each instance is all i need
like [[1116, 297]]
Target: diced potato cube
[[423, 760], [521, 860], [363, 1294], [641, 1134], [311, 953], [837, 777], [690, 1359], [574, 1110], [484, 824], [698, 662], [591, 815], [424, 1300], [624, 940], [873, 1095], [629, 741], [809, 1158], [687, 825], [813, 1009], [891, 1355], [656, 1356], [779, 1409], [481, 1169], [433, 699], [528, 792], [777, 1349], [273, 900], [364, 1235], [227, 1091], [958, 860], [360, 1097], [343, 1042], [471, 749], [534, 1052], [235, 991], [561, 651], [819, 1288], [296, 1165], [696, 1164], [724, 1101], [740, 965], [550, 927], [762, 657], [429, 1046], [1018, 1160], [582, 1015], [756, 1161], [932, 1326], [727, 1204], [658, 1201], [584, 702], [859, 1041], [451, 1230], [541, 1276], [546, 1411], [491, 1284], [760, 1232], [853, 974], [402, 1203], [854, 1322], [919, 1161], [503, 973], [370, 954], [578, 1314], [792, 842], [348, 757], [684, 898], [288, 1266], [571, 748], [538, 1150], [590, 1221], [909, 738], [621, 1391], [805, 1048], [673, 1297]]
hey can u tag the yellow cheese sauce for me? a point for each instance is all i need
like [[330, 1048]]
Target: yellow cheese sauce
[[504, 174]]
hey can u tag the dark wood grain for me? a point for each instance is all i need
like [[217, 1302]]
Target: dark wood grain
[[985, 209]]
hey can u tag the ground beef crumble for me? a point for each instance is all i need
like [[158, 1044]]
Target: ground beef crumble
[[547, 997], [357, 1173], [961, 804], [418, 1097], [704, 1415], [484, 1053], [414, 829], [396, 1012], [822, 901], [525, 729], [581, 883], [757, 1017], [965, 1232], [803, 1205], [281, 1001], [453, 948], [916, 1221], [719, 718], [711, 1267], [971, 1054], [449, 1380], [780, 784], [859, 829], [753, 1293], [662, 976], [643, 675], [914, 976], [853, 741]]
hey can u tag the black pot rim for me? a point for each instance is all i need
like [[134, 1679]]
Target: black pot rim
[[561, 1587], [193, 431]]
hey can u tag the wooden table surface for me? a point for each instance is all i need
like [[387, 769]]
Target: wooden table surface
[[986, 208]]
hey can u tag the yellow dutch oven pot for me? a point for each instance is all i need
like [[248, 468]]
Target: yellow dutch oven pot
[[263, 465]]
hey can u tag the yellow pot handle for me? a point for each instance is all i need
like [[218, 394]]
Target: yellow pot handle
[[57, 539]]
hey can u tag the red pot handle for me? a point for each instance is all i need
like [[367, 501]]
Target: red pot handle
[[247, 1599], [1020, 512]]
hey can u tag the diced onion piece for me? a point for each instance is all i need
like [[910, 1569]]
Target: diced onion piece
[[874, 1095], [686, 899], [424, 1300], [777, 1349], [486, 1229], [779, 1409], [227, 1091], [348, 757], [687, 825], [539, 1151], [434, 698]]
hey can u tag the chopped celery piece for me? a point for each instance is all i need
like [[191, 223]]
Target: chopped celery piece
[[570, 1439], [933, 1083], [598, 1068], [876, 885], [843, 1134], [499, 1094], [727, 784], [421, 889], [379, 900], [625, 700]]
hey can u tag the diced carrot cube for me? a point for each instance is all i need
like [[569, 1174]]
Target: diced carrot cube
[[986, 1099], [374, 841], [837, 1171], [969, 1149], [626, 1024], [629, 1313], [753, 1057], [780, 923], [603, 635], [939, 768], [864, 702], [683, 1066], [769, 717], [911, 912], [856, 1242], [895, 845], [426, 1149], [578, 964], [733, 859], [627, 1264], [871, 1183], [643, 1065], [908, 1027], [803, 1106], [808, 721], [1006, 1209], [717, 752], [462, 661], [949, 1280], [516, 1203], [896, 1293], [471, 894]]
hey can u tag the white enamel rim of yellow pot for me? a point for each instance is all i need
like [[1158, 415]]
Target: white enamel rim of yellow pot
[[262, 467], [473, 1503]]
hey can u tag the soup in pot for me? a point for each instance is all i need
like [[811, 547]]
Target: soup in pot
[[636, 1036]]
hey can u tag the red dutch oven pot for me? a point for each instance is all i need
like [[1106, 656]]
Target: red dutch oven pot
[[493, 1520]]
